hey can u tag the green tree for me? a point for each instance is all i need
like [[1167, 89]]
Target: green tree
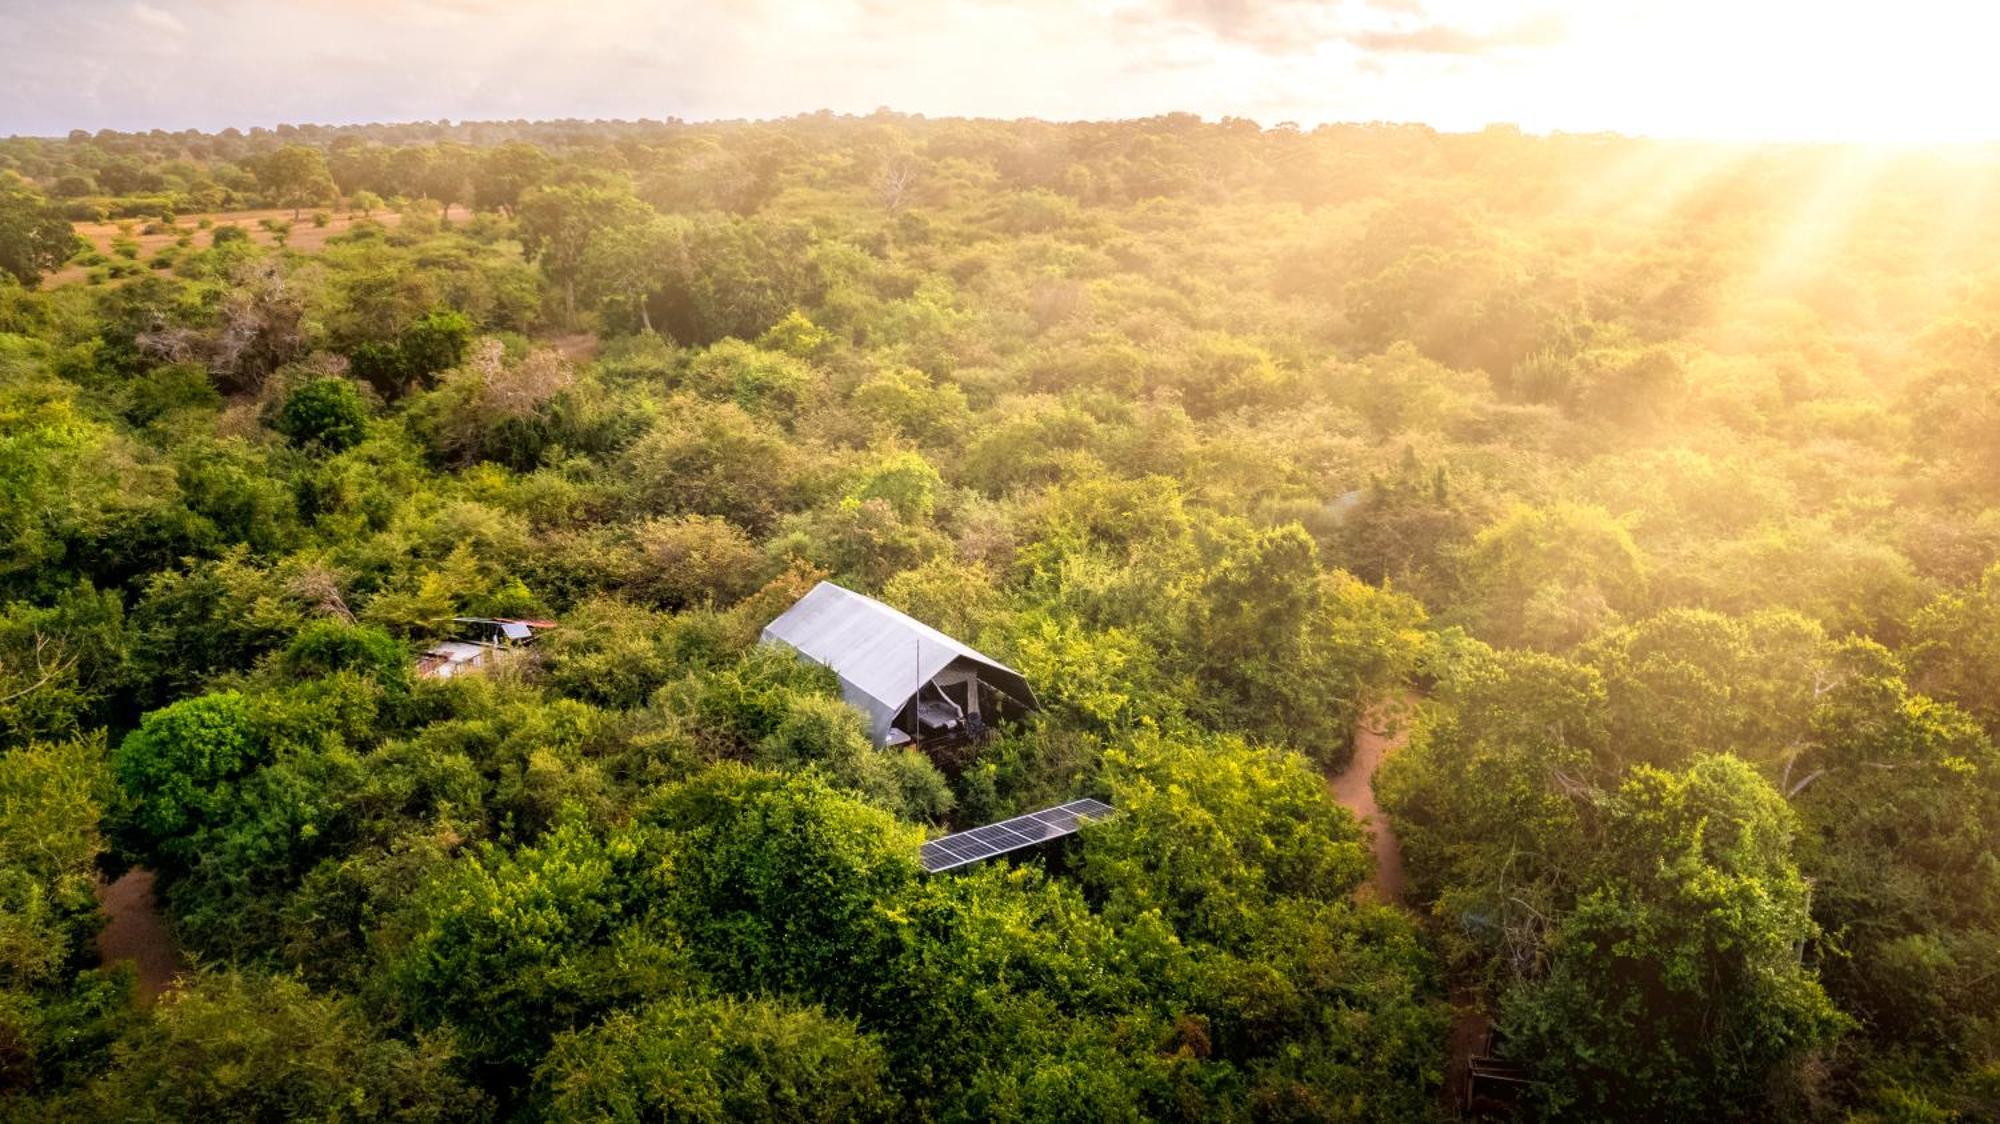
[[559, 223], [737, 277], [505, 172], [1292, 654], [1207, 834], [1954, 648], [34, 237], [779, 881], [1493, 795], [1899, 802], [54, 1024], [436, 342], [625, 266], [696, 559], [1550, 577], [61, 666], [326, 413], [1675, 986], [703, 458], [296, 176], [512, 949], [447, 177], [241, 1046], [180, 765], [716, 1060]]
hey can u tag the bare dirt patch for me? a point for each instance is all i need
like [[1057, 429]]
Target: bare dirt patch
[[137, 933], [579, 348]]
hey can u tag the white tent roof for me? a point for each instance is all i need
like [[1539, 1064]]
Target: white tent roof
[[881, 656]]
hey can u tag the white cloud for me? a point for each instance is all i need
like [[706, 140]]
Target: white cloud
[[154, 19]]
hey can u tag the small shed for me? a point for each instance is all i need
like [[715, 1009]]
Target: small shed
[[913, 682], [484, 643]]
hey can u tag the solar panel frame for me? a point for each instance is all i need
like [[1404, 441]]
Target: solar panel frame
[[973, 845]]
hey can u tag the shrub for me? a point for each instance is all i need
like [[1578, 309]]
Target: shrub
[[327, 413]]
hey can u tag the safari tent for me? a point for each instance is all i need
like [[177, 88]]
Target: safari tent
[[913, 682]]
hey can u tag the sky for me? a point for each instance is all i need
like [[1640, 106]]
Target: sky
[[1914, 71]]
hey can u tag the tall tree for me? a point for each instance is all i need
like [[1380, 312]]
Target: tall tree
[[1675, 987], [34, 237], [624, 266], [296, 176], [558, 224]]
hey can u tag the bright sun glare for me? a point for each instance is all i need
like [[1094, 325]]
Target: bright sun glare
[[1908, 73]]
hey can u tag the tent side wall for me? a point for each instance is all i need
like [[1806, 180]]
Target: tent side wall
[[885, 659]]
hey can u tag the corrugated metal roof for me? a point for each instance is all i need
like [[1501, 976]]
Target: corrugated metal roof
[[882, 656], [450, 658]]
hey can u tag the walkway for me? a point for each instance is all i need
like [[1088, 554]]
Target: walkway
[[136, 932], [1382, 731]]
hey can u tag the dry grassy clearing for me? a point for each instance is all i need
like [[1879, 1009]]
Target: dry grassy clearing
[[304, 235]]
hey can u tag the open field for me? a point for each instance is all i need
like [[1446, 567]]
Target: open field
[[304, 235]]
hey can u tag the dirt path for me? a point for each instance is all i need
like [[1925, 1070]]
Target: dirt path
[[137, 933], [1381, 732], [1471, 1036], [579, 348]]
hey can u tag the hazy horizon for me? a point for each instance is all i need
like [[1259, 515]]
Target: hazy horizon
[[1706, 70]]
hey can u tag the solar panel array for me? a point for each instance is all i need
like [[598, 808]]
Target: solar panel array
[[967, 847]]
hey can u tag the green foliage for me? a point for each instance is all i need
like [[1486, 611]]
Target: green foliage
[[1208, 834], [614, 654], [1911, 921], [217, 615], [766, 382], [1675, 984], [510, 950], [736, 277], [54, 1024], [240, 1046], [1548, 578], [1491, 797], [1663, 549], [180, 764], [325, 647], [329, 414], [705, 458], [60, 666], [558, 224], [1294, 656], [777, 880], [434, 343], [1953, 652], [34, 237], [696, 560], [296, 176], [716, 1060]]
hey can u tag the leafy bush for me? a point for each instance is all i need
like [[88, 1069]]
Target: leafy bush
[[325, 413]]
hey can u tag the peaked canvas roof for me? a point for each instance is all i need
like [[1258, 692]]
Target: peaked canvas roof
[[881, 656]]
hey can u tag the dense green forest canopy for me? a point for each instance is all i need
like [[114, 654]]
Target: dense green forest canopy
[[1662, 480]]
